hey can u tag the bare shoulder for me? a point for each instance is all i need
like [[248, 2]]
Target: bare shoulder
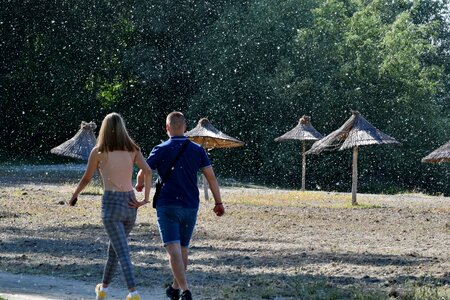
[[94, 151], [96, 154], [137, 153]]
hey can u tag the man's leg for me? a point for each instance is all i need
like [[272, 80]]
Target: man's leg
[[178, 263], [176, 226], [184, 254]]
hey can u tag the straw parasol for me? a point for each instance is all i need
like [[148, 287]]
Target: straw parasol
[[441, 154], [303, 132], [80, 145], [355, 132], [210, 137]]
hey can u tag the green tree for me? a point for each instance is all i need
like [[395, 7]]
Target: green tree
[[67, 61], [236, 60], [53, 71], [260, 71]]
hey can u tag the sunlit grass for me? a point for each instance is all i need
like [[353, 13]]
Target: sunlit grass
[[428, 292], [18, 193], [413, 194], [360, 206], [287, 198], [33, 206], [323, 290], [298, 199], [297, 288], [93, 189]]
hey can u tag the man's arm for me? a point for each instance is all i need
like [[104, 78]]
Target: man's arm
[[214, 186]]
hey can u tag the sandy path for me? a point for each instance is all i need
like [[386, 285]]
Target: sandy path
[[32, 287]]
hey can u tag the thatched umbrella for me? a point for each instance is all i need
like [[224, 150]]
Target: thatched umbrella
[[441, 154], [303, 132], [210, 137], [355, 132], [80, 145]]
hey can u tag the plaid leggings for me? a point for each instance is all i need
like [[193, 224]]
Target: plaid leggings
[[118, 220]]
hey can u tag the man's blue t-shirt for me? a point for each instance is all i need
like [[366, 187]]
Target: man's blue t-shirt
[[181, 187]]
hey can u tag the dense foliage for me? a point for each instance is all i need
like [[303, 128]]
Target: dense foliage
[[253, 67]]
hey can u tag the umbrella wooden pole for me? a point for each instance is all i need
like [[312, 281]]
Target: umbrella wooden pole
[[205, 187], [354, 175], [303, 165], [205, 182]]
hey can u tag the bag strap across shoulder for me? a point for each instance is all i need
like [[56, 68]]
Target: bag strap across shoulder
[[174, 162]]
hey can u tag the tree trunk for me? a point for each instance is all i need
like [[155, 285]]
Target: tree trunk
[[355, 175], [303, 165]]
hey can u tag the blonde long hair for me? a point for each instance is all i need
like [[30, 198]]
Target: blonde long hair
[[113, 135]]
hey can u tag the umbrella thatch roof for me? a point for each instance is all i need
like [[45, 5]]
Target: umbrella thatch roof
[[441, 154], [209, 137], [304, 131], [356, 131], [80, 145]]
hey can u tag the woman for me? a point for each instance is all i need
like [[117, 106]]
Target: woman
[[114, 156]]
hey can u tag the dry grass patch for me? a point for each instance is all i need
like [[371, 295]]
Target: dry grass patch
[[271, 244], [299, 199]]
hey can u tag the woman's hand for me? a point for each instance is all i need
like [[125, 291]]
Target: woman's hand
[[133, 203]]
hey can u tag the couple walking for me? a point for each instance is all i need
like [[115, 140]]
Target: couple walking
[[177, 161]]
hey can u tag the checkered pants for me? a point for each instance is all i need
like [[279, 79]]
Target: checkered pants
[[118, 220]]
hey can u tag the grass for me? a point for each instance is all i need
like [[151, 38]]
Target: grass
[[325, 290], [299, 290], [226, 258], [93, 189], [360, 206], [300, 199], [427, 291]]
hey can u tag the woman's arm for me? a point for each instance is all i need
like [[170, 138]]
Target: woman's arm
[[145, 172], [92, 165], [139, 181]]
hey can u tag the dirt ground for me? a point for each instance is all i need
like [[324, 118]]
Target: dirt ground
[[271, 244], [44, 287]]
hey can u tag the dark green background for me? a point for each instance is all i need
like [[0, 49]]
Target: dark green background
[[252, 67]]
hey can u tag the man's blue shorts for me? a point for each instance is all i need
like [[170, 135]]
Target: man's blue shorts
[[176, 224]]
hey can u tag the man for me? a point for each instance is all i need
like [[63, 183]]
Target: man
[[178, 203]]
